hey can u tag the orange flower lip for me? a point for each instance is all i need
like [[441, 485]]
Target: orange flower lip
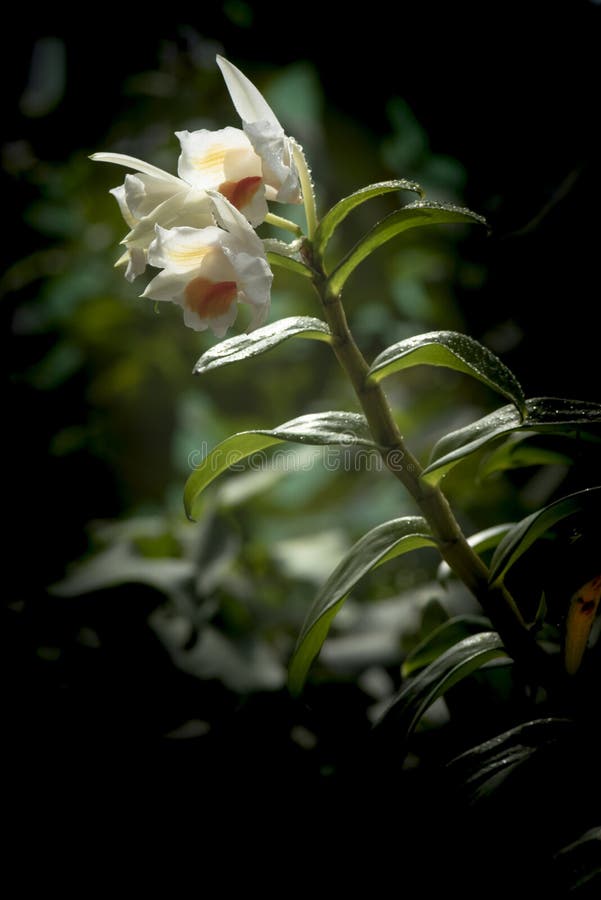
[[210, 299], [240, 193]]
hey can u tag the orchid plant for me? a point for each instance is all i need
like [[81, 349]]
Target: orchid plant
[[199, 230]]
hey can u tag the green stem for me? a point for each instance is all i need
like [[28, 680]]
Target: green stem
[[286, 224], [467, 565], [306, 187]]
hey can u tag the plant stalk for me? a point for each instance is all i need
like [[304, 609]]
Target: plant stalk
[[454, 548]]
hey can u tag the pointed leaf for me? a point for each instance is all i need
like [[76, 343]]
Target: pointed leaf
[[438, 641], [411, 216], [243, 346], [483, 769], [454, 351], [316, 428], [522, 450], [526, 532], [545, 414], [480, 542], [340, 211], [578, 866], [417, 694], [379, 545], [286, 261]]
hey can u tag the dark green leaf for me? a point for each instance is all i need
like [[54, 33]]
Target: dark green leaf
[[318, 428], [446, 635], [412, 216], [545, 414], [379, 545], [243, 346], [521, 450], [419, 692], [340, 211], [484, 768], [579, 866], [526, 532], [480, 542], [454, 351]]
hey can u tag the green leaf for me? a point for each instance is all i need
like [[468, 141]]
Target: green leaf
[[454, 351], [340, 211], [453, 666], [545, 414], [485, 768], [243, 346], [412, 216], [382, 543], [345, 428], [525, 533], [438, 641], [578, 866], [480, 542], [521, 450], [288, 262]]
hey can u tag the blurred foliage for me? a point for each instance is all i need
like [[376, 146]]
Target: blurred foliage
[[204, 616]]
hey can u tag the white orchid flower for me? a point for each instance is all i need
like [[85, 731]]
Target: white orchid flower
[[224, 161], [208, 271], [150, 196], [265, 134]]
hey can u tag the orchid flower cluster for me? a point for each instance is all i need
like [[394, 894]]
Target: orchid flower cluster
[[198, 227]]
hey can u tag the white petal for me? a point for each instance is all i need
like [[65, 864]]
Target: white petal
[[192, 209], [233, 221], [136, 264], [182, 250], [119, 195], [256, 210], [193, 320], [130, 162], [167, 286], [210, 158], [143, 193], [254, 277], [250, 104], [258, 317], [218, 325], [279, 170]]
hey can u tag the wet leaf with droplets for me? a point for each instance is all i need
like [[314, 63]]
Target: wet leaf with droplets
[[453, 351], [349, 429], [413, 215], [243, 346], [340, 210], [545, 414]]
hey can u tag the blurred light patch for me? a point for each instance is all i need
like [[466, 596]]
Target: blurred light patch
[[297, 93], [47, 78], [239, 13], [17, 157]]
